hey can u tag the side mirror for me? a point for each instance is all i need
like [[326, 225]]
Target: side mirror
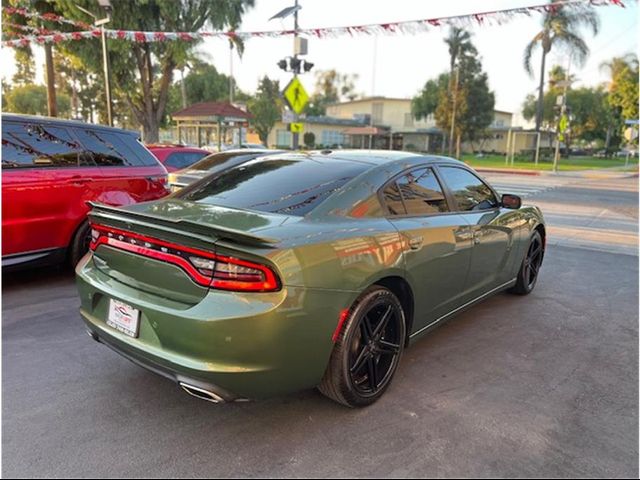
[[513, 202]]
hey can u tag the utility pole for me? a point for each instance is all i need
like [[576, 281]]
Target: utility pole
[[453, 110], [52, 104], [296, 135], [107, 75], [106, 6], [230, 71], [294, 93], [563, 112]]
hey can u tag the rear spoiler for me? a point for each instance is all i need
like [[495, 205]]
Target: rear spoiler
[[217, 232]]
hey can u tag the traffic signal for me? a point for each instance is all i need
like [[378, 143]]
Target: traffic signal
[[294, 63]]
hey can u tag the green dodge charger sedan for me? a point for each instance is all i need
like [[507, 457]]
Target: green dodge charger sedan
[[301, 270]]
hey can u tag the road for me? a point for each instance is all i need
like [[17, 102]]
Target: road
[[538, 386]]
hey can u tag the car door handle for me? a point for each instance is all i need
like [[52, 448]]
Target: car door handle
[[415, 243], [476, 238], [80, 180]]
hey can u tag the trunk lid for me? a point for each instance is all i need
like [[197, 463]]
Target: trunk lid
[[183, 229]]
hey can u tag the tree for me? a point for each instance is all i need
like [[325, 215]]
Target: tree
[[32, 100], [623, 87], [204, 83], [143, 72], [474, 102], [25, 67], [556, 75], [592, 117], [426, 102], [266, 107], [331, 87], [459, 43], [25, 76], [459, 46], [559, 28], [309, 139]]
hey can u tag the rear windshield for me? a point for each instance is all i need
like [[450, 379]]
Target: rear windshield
[[283, 185]]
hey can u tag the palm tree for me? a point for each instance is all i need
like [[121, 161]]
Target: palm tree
[[459, 43], [616, 66], [560, 28]]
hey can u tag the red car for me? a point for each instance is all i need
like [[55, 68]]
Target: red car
[[51, 168], [177, 157]]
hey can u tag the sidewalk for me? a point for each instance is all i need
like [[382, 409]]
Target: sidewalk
[[612, 172]]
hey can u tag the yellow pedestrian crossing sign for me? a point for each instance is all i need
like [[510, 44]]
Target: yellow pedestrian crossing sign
[[295, 95], [295, 127]]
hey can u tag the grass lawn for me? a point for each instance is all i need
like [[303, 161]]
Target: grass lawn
[[565, 164]]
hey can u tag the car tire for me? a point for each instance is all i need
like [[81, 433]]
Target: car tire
[[530, 268], [367, 351], [79, 244]]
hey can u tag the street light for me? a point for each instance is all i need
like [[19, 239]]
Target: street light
[[106, 6]]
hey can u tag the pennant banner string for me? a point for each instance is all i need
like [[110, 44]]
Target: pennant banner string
[[497, 17]]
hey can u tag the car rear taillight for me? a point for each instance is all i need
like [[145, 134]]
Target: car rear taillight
[[205, 268]]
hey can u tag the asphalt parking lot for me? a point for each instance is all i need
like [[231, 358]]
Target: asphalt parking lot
[[538, 386]]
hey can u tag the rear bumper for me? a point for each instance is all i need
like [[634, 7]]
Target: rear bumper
[[156, 367], [237, 345]]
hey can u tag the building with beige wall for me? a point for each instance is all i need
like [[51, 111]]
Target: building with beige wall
[[387, 123]]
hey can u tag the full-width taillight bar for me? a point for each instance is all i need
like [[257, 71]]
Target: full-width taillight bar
[[205, 268]]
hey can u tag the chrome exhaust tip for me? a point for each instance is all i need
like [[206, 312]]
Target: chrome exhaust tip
[[201, 393], [93, 335]]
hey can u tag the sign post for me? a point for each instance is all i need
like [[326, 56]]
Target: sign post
[[296, 97]]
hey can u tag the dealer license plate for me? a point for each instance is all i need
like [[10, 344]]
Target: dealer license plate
[[123, 318]]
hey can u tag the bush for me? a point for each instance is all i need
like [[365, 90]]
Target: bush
[[309, 139]]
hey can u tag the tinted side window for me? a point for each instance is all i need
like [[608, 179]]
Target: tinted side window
[[470, 192], [108, 149], [36, 145], [393, 200], [133, 145], [422, 193], [183, 159]]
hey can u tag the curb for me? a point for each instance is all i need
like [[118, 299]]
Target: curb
[[510, 171], [589, 174]]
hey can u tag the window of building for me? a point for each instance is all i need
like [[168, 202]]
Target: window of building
[[332, 137], [377, 112], [408, 120], [283, 138]]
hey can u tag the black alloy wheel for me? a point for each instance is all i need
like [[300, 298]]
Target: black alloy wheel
[[530, 269], [533, 261], [368, 350], [375, 348]]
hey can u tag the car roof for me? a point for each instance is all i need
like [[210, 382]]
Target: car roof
[[251, 150], [176, 148], [370, 157], [61, 121]]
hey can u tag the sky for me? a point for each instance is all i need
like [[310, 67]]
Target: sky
[[399, 65]]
